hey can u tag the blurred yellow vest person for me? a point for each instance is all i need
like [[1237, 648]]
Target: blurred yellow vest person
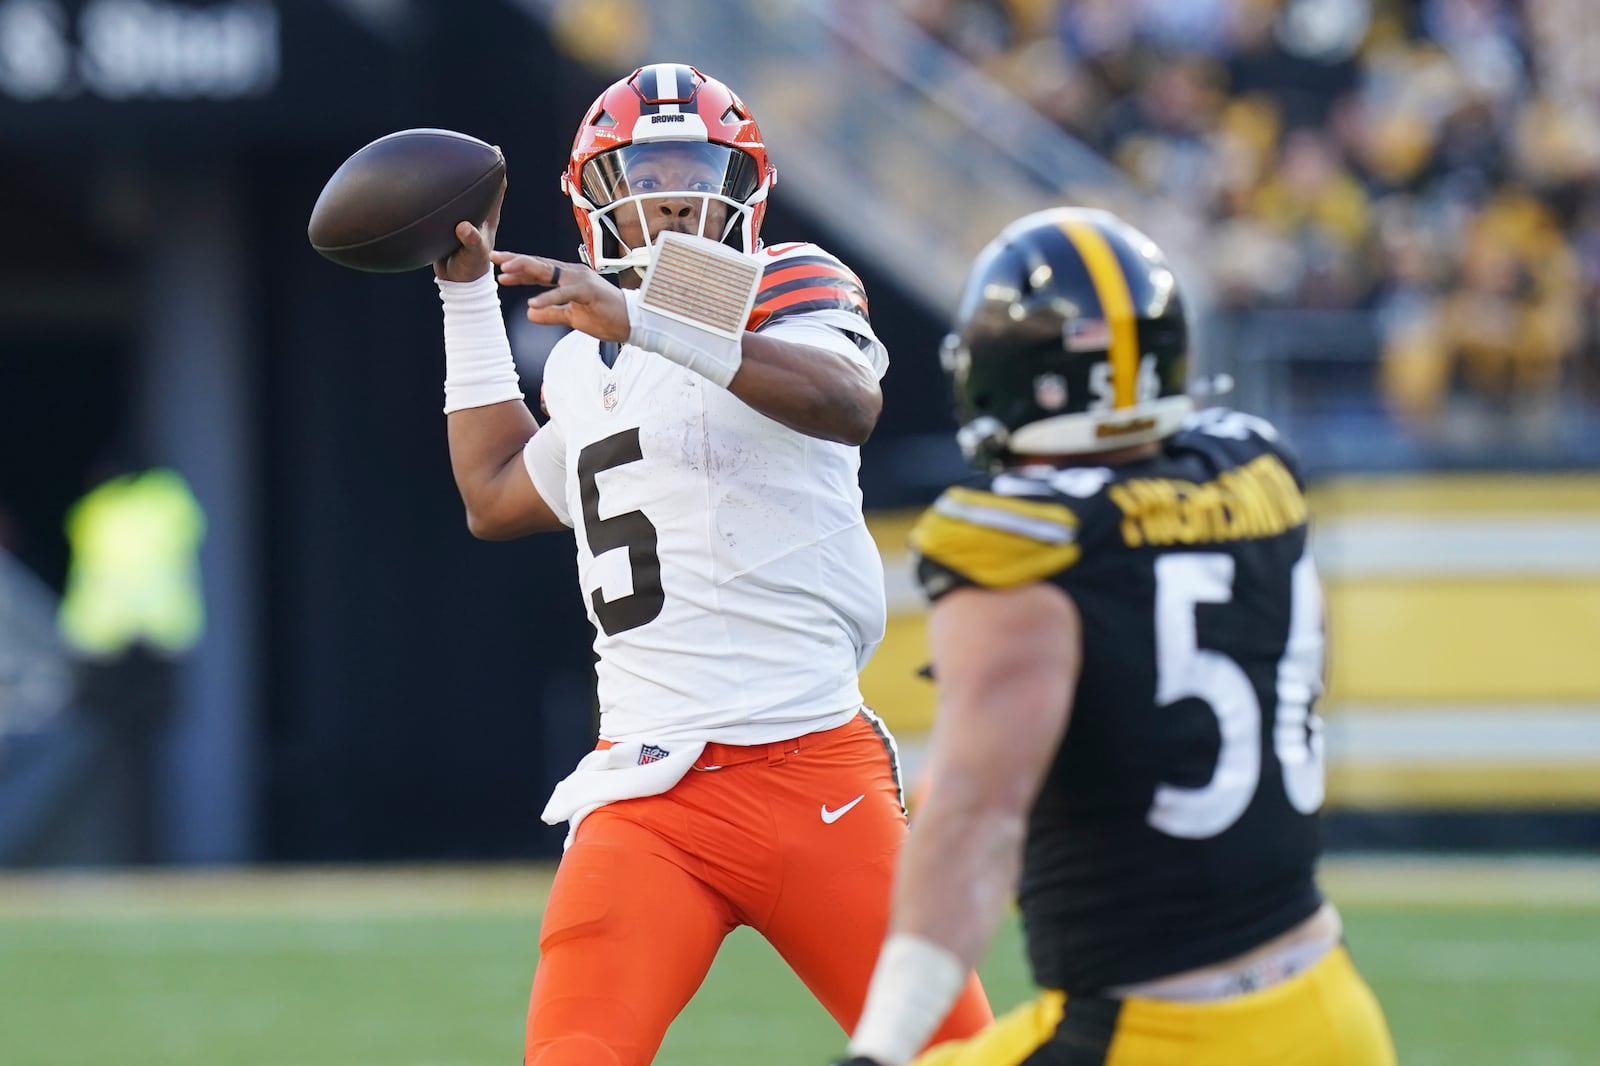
[[135, 570]]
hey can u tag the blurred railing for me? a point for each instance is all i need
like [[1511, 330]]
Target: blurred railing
[[46, 763], [34, 674], [1319, 375]]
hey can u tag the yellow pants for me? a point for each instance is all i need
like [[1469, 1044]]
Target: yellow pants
[[1326, 1016]]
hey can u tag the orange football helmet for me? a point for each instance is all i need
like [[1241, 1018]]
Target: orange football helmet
[[666, 140]]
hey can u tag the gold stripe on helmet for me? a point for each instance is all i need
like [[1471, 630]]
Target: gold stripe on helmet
[[1116, 304]]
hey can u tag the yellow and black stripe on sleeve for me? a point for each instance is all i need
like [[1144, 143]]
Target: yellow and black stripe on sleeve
[[980, 538], [806, 283]]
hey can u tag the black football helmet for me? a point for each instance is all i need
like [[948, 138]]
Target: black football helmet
[[1070, 339]]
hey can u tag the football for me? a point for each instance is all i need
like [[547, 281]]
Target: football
[[394, 205]]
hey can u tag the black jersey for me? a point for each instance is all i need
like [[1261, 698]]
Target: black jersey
[[1177, 826]]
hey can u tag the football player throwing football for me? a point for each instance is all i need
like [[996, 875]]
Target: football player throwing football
[[701, 442]]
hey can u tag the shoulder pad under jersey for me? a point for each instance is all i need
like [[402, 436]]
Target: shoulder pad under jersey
[[800, 277], [975, 535]]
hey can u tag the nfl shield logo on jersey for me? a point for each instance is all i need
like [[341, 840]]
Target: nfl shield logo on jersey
[[651, 753], [608, 396]]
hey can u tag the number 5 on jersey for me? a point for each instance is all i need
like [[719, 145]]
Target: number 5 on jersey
[[630, 530]]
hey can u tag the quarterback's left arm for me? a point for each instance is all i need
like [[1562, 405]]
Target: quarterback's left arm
[[815, 389], [1007, 662]]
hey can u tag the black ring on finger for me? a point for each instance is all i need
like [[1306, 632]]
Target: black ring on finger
[[555, 276]]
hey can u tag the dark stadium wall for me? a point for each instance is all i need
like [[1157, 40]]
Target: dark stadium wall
[[415, 692], [412, 667], [425, 690]]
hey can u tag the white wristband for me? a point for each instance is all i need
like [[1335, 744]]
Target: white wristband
[[478, 368], [694, 304], [913, 987]]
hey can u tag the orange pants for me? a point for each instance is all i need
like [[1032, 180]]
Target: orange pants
[[796, 839]]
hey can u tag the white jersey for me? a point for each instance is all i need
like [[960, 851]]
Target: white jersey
[[723, 557]]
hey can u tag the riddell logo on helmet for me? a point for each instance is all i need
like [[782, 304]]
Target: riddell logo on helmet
[[1122, 429], [654, 119]]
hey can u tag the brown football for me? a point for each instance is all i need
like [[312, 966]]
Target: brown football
[[394, 205]]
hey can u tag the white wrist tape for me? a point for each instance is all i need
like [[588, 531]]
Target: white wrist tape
[[478, 368], [694, 304], [913, 987]]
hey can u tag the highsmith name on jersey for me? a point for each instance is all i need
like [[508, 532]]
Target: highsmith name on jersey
[[723, 557], [1178, 824]]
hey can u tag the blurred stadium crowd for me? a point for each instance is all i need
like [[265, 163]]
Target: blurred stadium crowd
[[1435, 164]]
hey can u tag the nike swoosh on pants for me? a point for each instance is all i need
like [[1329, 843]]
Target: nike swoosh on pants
[[829, 817]]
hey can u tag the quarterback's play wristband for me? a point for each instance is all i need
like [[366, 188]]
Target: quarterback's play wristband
[[694, 304]]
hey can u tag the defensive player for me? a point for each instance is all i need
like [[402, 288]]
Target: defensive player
[[1127, 635], [702, 442]]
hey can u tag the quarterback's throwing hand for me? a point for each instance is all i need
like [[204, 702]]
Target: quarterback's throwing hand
[[576, 296], [471, 261]]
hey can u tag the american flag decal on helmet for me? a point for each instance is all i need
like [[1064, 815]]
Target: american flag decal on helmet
[[651, 753], [809, 282]]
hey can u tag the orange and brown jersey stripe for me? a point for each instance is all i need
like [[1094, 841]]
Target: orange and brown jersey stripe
[[806, 283]]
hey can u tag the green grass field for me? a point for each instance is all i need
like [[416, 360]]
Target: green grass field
[[1477, 965]]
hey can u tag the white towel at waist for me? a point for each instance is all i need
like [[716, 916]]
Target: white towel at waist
[[628, 770]]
